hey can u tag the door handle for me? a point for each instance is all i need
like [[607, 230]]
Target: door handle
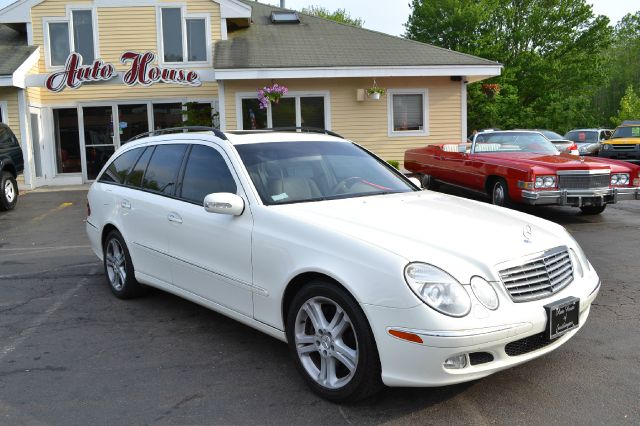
[[125, 204], [174, 217]]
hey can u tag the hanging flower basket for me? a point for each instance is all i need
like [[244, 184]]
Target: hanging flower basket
[[375, 92], [271, 95], [491, 89]]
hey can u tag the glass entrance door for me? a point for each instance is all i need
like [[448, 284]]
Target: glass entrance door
[[99, 138], [132, 120]]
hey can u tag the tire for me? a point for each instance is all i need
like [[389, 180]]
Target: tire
[[593, 210], [349, 347], [118, 268], [8, 192], [429, 183], [500, 194]]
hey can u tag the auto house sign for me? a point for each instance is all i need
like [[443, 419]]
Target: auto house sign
[[141, 72]]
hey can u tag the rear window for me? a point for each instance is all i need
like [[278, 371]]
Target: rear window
[[162, 172], [7, 139], [119, 168]]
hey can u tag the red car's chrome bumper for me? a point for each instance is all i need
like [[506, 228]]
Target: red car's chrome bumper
[[580, 198]]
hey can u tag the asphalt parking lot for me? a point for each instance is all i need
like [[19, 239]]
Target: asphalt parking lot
[[70, 353]]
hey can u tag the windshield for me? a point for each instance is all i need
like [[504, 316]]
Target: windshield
[[293, 172], [582, 136], [626, 132], [514, 142], [551, 135]]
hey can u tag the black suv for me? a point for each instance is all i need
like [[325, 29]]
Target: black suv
[[11, 163]]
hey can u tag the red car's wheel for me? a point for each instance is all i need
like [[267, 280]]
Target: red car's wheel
[[500, 194]]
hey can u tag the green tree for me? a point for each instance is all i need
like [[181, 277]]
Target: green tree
[[629, 107], [550, 49], [339, 15]]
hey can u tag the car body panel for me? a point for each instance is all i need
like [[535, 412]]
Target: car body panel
[[242, 266], [11, 158]]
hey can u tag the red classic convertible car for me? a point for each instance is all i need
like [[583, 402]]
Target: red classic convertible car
[[524, 167]]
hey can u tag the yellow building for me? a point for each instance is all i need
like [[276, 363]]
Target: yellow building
[[80, 78]]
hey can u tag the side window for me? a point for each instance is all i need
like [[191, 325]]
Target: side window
[[606, 135], [206, 172], [162, 173], [5, 137], [118, 169], [134, 178]]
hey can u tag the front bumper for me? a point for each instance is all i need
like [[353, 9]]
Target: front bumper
[[421, 365], [632, 156], [580, 198]]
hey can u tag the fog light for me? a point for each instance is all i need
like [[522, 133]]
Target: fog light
[[456, 362]]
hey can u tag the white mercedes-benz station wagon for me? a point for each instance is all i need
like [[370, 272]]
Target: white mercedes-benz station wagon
[[314, 240]]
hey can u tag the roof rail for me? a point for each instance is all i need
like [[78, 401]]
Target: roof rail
[[288, 129], [183, 129]]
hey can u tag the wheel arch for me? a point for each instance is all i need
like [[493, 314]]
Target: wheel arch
[[491, 180], [8, 166], [105, 231]]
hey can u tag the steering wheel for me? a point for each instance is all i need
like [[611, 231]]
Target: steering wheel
[[345, 184]]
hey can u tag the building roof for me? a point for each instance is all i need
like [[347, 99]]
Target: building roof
[[318, 42], [13, 49]]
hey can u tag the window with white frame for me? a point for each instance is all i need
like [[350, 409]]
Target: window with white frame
[[3, 111], [294, 110], [74, 34], [183, 37], [408, 112]]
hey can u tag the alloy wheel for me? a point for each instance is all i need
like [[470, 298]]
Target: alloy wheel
[[498, 195], [9, 191], [326, 342], [116, 264]]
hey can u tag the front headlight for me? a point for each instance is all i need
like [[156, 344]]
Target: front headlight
[[620, 179], [545, 182], [582, 258], [438, 289], [577, 263]]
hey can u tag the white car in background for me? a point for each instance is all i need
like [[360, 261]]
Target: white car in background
[[317, 242]]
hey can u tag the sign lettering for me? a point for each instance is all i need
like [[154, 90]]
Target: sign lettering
[[141, 72]]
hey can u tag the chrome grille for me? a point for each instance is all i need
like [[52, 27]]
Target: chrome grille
[[623, 147], [585, 181], [539, 278]]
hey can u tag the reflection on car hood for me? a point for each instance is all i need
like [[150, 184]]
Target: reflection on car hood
[[560, 162], [462, 236]]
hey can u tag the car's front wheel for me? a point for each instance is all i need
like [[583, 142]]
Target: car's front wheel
[[593, 210], [500, 194], [332, 343], [8, 191], [118, 267]]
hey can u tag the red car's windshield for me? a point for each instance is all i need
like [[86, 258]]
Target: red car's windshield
[[514, 142]]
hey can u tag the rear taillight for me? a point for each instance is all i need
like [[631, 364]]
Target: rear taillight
[[573, 147]]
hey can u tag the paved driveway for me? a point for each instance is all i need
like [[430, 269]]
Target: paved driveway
[[70, 353]]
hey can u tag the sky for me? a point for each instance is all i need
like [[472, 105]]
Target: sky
[[388, 16]]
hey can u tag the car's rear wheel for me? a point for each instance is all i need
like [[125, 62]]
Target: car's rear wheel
[[593, 210], [500, 194], [8, 191], [118, 267], [332, 343]]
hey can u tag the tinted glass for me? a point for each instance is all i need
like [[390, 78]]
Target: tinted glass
[[551, 135], [312, 112], [294, 172], [196, 40], [132, 121], [166, 116], [162, 173], [119, 168], [65, 129], [59, 42], [172, 34], [206, 173], [6, 139], [83, 35], [253, 118], [134, 178], [582, 136], [626, 132]]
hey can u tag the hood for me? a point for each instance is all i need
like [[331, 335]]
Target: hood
[[463, 237], [559, 162], [629, 141]]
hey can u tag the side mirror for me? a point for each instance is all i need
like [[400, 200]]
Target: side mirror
[[224, 203], [416, 182]]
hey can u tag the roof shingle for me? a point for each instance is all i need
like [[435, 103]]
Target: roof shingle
[[13, 49], [318, 42]]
